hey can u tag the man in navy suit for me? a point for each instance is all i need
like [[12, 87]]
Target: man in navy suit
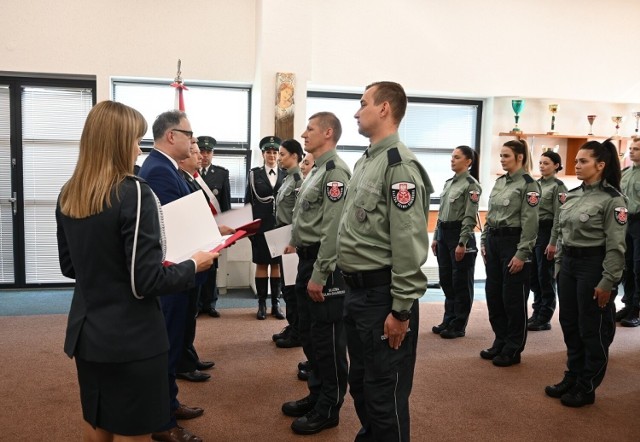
[[172, 137]]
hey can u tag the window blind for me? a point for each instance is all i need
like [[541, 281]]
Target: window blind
[[6, 217]]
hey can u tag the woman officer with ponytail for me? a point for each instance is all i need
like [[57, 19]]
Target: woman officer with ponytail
[[506, 246], [592, 230], [454, 243]]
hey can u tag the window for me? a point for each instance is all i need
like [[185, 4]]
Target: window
[[431, 128], [219, 111]]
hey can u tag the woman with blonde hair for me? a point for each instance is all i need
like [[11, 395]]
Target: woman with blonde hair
[[109, 240]]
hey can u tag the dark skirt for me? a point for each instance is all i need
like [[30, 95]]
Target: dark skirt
[[129, 398], [260, 250]]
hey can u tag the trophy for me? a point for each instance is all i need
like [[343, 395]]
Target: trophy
[[553, 108], [591, 119], [617, 119], [517, 106], [637, 115]]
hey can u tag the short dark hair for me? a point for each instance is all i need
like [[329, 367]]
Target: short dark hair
[[329, 120], [166, 120], [394, 94], [555, 157], [293, 147], [472, 155]]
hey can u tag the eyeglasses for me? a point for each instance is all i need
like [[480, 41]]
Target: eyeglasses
[[188, 133]]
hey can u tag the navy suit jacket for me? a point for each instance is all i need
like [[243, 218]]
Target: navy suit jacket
[[163, 177]]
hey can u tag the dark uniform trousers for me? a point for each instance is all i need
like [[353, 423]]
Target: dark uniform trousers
[[507, 294], [542, 280], [189, 357], [632, 263], [588, 329], [174, 308], [291, 301], [456, 278], [380, 378], [324, 343], [208, 297]]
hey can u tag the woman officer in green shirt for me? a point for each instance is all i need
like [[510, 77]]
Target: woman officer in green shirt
[[592, 232], [543, 283], [507, 243], [454, 243]]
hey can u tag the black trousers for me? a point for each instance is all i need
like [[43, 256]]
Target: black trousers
[[542, 282], [588, 329], [632, 265], [380, 378], [291, 301], [189, 358], [506, 295], [209, 290], [324, 344], [456, 278]]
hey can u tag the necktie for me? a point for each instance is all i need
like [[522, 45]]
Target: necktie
[[204, 171], [272, 172]]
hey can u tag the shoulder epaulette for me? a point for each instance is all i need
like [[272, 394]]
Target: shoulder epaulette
[[256, 168], [528, 178], [558, 182], [136, 178], [576, 188], [471, 179], [330, 165], [296, 177], [394, 156], [612, 191], [219, 167]]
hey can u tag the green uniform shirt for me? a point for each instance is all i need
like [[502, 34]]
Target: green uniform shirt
[[459, 202], [384, 222], [591, 217], [630, 185], [286, 197], [514, 202], [553, 195], [317, 210]]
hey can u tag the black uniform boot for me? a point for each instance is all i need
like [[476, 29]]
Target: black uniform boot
[[261, 289], [632, 319], [275, 301]]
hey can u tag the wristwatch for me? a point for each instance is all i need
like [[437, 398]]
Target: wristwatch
[[402, 316]]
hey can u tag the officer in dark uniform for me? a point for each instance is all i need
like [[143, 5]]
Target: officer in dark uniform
[[217, 178], [263, 184], [507, 243], [592, 233], [455, 244]]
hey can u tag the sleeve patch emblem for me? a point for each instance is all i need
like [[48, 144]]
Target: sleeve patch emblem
[[533, 198], [403, 195], [620, 214], [562, 197], [335, 190], [474, 196]]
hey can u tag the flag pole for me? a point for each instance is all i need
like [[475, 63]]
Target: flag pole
[[179, 85]]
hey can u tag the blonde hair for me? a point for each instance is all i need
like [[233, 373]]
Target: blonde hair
[[107, 155]]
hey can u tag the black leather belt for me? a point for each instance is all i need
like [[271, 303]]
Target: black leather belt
[[368, 279], [545, 223], [450, 225], [504, 231], [634, 216], [583, 252], [308, 252]]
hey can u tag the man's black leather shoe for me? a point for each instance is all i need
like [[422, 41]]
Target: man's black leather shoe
[[289, 342], [506, 360], [284, 333], [312, 423], [193, 376], [538, 325], [298, 408], [489, 353], [577, 397], [556, 391], [622, 313], [632, 319], [304, 365], [451, 334], [214, 313], [437, 329], [205, 365], [303, 375]]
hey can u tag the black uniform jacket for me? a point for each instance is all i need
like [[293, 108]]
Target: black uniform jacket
[[263, 190], [217, 178], [107, 323]]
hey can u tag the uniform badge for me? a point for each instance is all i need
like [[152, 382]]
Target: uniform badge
[[584, 217], [474, 196], [403, 195], [335, 190], [216, 191], [620, 213], [562, 197], [533, 198], [361, 215], [505, 203]]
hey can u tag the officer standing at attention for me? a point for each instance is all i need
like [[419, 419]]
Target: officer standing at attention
[[454, 243], [630, 184], [542, 279], [592, 230], [290, 155], [217, 178], [316, 215], [382, 243], [507, 243]]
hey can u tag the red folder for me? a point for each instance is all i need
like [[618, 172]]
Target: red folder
[[242, 231]]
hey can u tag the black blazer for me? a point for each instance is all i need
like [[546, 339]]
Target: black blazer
[[263, 191], [107, 323], [217, 178]]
